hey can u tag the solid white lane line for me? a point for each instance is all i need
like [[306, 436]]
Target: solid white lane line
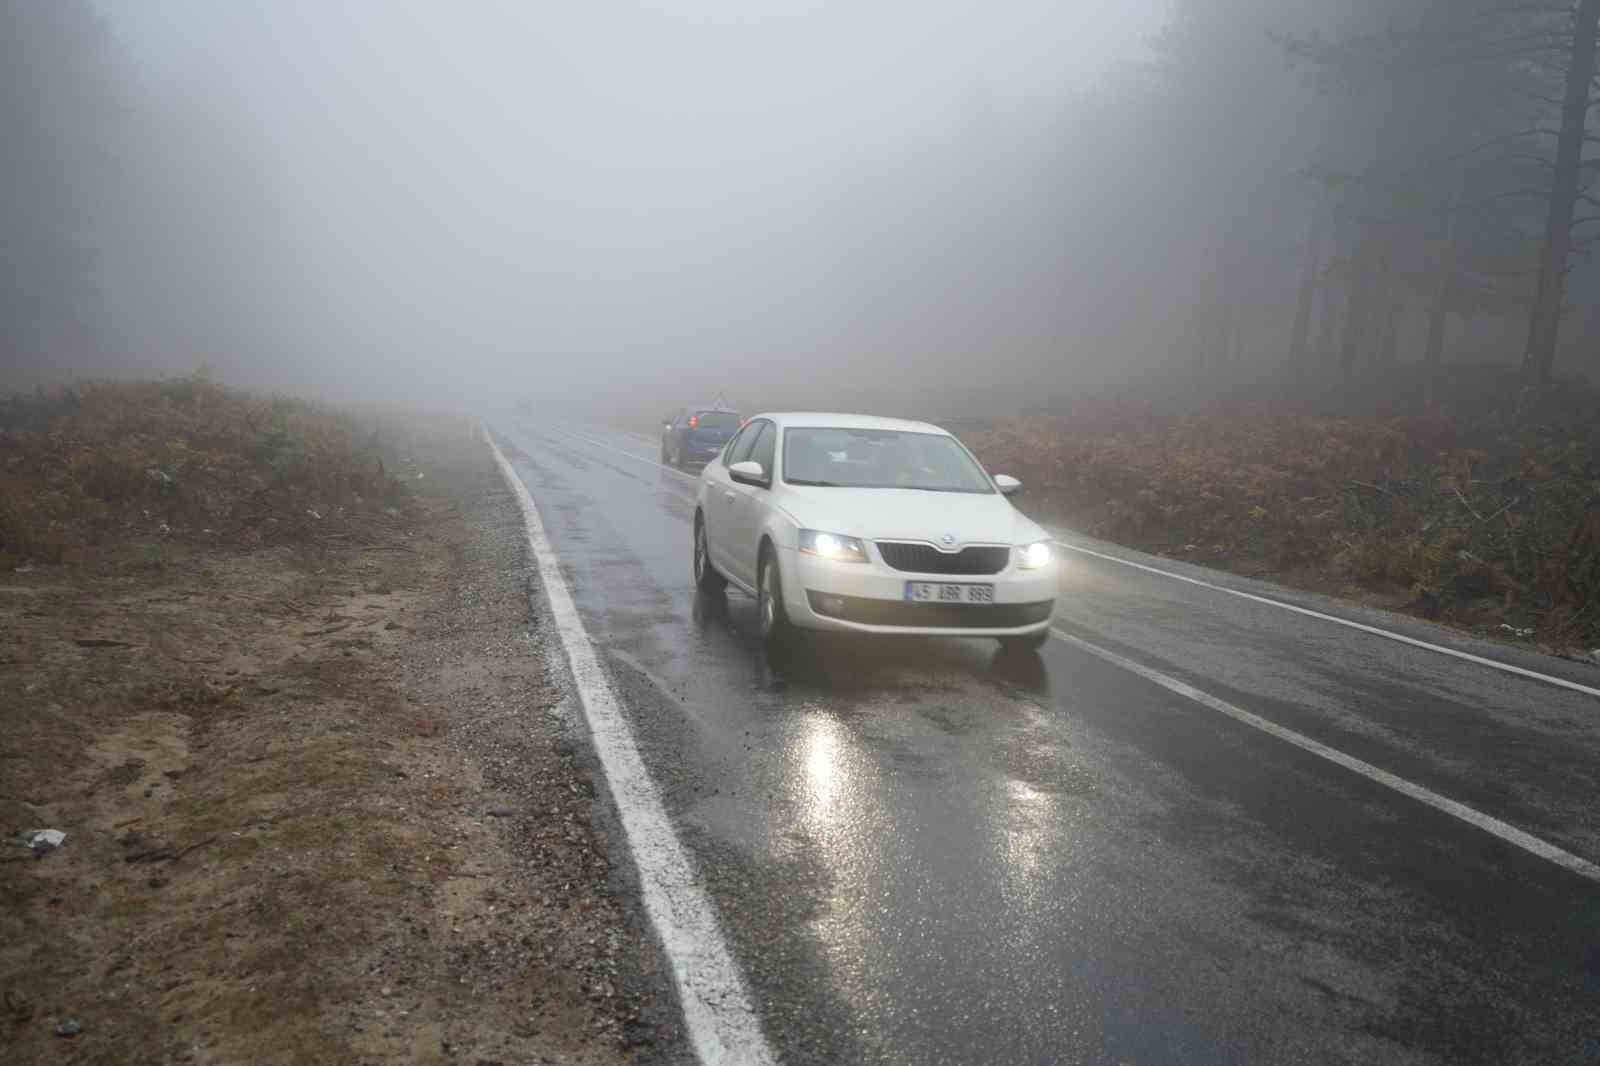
[[645, 459], [722, 1024], [1509, 833], [1493, 664]]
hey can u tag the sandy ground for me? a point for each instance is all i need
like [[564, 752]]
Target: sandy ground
[[321, 804]]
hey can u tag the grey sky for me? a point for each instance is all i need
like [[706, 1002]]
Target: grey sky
[[588, 188]]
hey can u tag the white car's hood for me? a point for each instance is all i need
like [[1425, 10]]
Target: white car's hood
[[910, 514]]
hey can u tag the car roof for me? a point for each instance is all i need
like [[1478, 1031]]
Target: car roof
[[825, 420], [709, 408]]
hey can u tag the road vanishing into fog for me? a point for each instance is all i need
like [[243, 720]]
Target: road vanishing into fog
[[1130, 849]]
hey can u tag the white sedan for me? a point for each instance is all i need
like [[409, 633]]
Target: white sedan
[[872, 525]]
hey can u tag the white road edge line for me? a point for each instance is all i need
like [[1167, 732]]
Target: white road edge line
[[1493, 664], [722, 1024], [1509, 833], [1414, 642]]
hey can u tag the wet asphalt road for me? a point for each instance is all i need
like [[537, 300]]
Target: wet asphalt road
[[924, 852]]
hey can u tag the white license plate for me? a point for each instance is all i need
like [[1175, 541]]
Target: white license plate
[[942, 592]]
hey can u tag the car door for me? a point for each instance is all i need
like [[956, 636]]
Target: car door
[[680, 427], [750, 502], [667, 427], [718, 500]]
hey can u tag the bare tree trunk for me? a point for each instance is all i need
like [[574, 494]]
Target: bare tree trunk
[[1309, 274], [1433, 357], [1544, 320], [1383, 333], [1358, 312], [1328, 327], [1443, 287], [1225, 331], [1221, 349], [1389, 350]]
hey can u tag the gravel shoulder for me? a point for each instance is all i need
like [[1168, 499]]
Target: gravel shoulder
[[321, 804]]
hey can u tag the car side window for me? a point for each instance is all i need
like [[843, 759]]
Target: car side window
[[735, 444], [766, 448], [747, 442]]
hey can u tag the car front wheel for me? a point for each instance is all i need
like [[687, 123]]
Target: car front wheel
[[775, 625], [706, 578]]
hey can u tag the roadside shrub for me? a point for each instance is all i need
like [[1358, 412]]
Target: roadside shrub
[[1500, 512], [178, 458]]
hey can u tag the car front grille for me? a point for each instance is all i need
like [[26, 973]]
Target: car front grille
[[926, 559], [929, 615]]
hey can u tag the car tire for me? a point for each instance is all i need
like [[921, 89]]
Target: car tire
[[776, 629], [1026, 643], [706, 578]]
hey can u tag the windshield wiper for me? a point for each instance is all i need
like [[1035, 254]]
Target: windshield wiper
[[817, 484]]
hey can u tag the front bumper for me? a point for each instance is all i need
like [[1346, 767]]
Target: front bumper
[[870, 598]]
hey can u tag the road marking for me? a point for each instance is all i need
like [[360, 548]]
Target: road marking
[[635, 457], [1489, 824], [722, 1024], [1509, 833], [1414, 642], [1374, 630]]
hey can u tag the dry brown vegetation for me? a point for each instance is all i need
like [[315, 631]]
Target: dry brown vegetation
[[1489, 521], [100, 462], [317, 805]]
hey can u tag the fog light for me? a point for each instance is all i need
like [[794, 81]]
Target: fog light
[[833, 603]]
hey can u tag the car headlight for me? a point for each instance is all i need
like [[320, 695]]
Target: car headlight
[[1033, 556], [835, 546]]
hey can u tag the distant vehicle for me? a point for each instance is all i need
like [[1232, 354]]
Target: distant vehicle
[[693, 435], [871, 525]]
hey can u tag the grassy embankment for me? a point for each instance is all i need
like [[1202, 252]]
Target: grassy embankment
[[288, 712], [1489, 521], [100, 466]]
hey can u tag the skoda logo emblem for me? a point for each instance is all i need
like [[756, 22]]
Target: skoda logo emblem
[[948, 539]]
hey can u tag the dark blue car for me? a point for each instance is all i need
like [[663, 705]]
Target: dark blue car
[[694, 435]]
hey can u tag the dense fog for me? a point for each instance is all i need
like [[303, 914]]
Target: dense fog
[[630, 203]]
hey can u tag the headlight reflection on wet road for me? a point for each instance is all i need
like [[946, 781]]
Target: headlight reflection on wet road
[[834, 784], [1022, 836], [821, 752]]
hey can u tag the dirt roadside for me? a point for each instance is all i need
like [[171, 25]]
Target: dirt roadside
[[320, 804]]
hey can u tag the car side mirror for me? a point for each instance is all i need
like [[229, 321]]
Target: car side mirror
[[748, 473], [1008, 485]]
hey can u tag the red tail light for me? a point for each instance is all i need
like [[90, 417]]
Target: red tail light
[[693, 421], [743, 420]]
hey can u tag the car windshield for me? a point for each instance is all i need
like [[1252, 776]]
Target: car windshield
[[724, 420], [880, 459]]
